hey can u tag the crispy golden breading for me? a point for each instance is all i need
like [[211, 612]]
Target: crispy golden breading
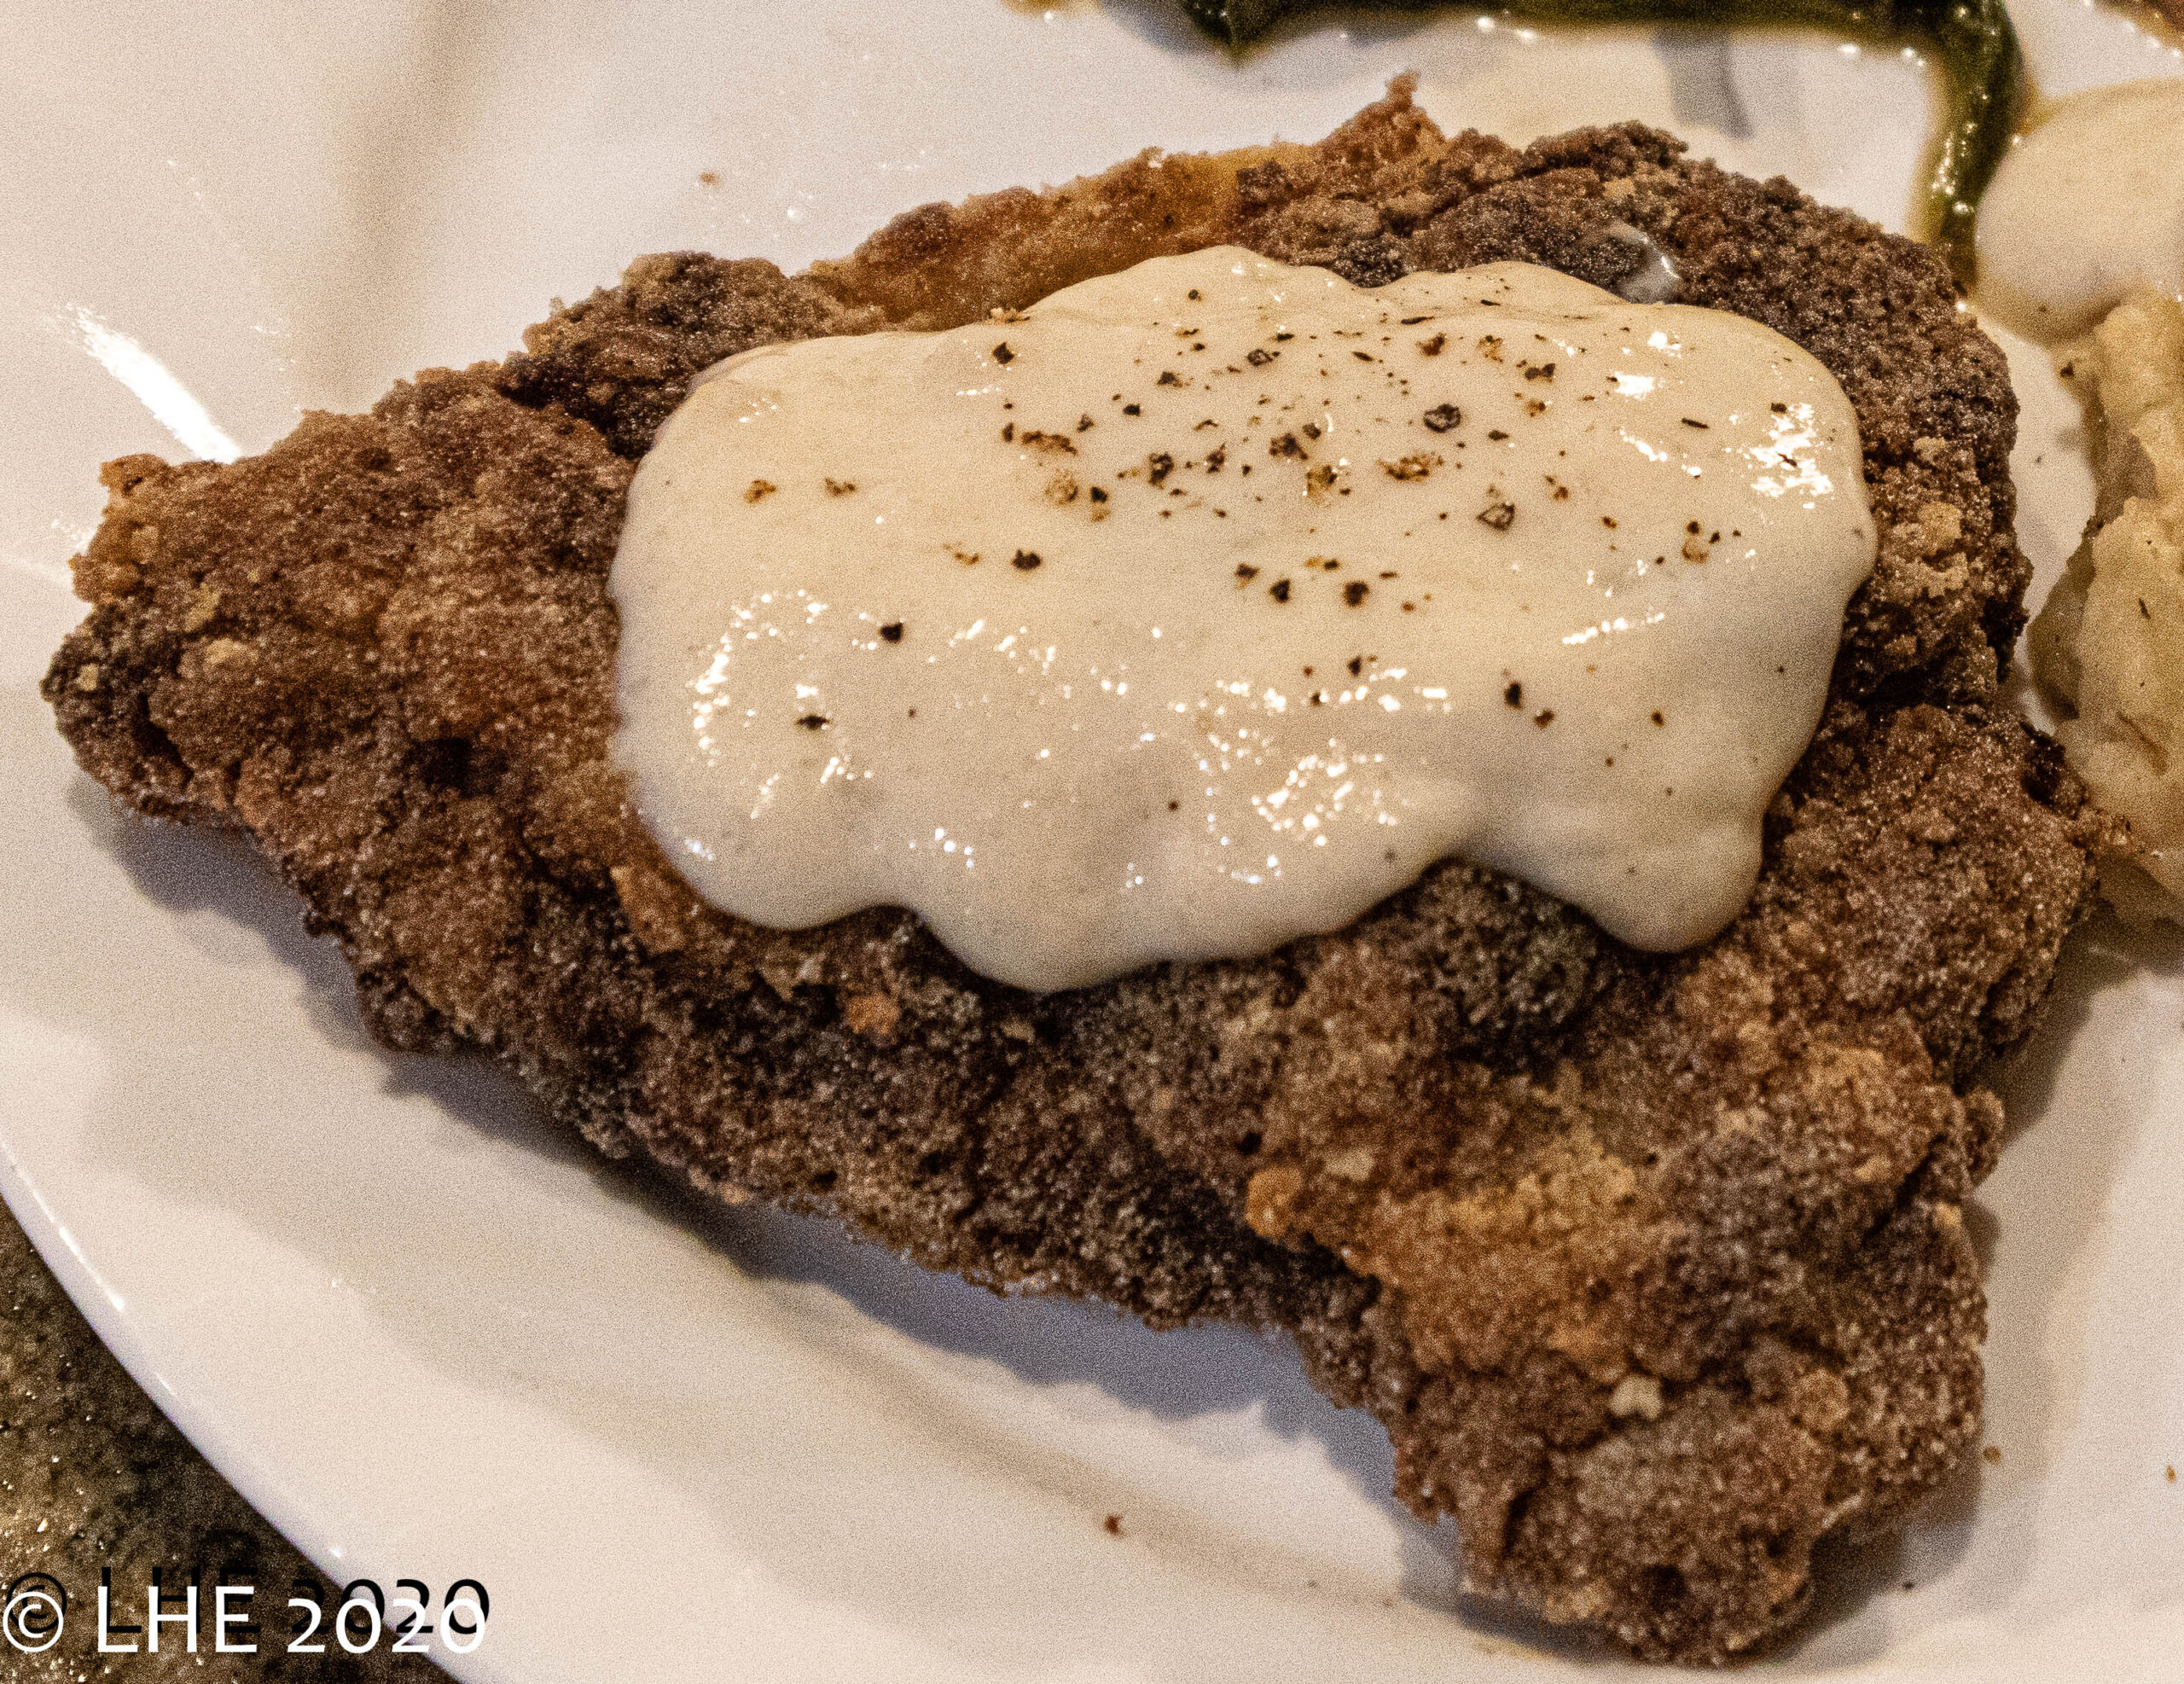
[[1653, 1266]]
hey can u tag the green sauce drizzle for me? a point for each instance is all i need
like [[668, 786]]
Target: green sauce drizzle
[[1972, 39]]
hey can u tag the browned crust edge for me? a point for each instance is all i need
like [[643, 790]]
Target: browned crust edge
[[1654, 1269]]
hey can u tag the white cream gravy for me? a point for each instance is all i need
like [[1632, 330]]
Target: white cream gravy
[[1202, 606]]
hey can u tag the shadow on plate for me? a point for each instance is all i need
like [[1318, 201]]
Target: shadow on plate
[[231, 909]]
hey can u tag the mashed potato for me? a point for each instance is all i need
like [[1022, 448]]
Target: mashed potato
[[2109, 646]]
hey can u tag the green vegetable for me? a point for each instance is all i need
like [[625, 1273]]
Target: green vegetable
[[1972, 39]]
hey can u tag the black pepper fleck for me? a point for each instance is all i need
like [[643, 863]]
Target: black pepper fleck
[[1025, 559], [1443, 416], [1002, 353], [892, 631]]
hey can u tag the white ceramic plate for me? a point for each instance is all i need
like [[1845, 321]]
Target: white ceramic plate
[[431, 1337]]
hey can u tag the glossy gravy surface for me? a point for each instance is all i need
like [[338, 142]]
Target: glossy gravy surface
[[1202, 606]]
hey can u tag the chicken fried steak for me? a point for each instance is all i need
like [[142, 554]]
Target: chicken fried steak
[[1654, 1266]]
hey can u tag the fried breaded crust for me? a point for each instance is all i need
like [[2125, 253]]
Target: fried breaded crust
[[1653, 1266]]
